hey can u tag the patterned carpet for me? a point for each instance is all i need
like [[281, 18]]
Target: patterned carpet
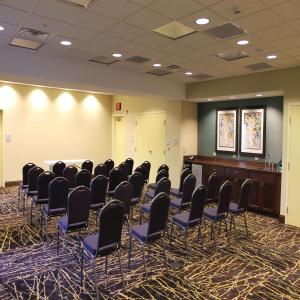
[[264, 266]]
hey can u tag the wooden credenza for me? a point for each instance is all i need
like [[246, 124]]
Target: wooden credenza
[[267, 184]]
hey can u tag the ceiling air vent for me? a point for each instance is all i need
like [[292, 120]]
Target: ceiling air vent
[[202, 76], [259, 66], [159, 72], [174, 30], [138, 59], [233, 55], [29, 39], [173, 67], [78, 3], [226, 31], [104, 60]]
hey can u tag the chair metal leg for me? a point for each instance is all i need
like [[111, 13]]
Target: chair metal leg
[[145, 268], [226, 229], [213, 234], [171, 235], [95, 279], [129, 251], [165, 254], [245, 219], [141, 215], [220, 222], [106, 265], [200, 235], [232, 221], [81, 268], [121, 269], [57, 240]]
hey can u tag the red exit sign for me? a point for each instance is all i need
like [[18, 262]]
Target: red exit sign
[[118, 106]]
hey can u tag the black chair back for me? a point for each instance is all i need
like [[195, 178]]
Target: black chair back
[[84, 178], [58, 193], [159, 211], [198, 203], [163, 186], [141, 169], [110, 227], [33, 175], [245, 194], [43, 182], [25, 171], [185, 172], [98, 189], [101, 169], [212, 186], [58, 168], [115, 178], [137, 181], [78, 207], [87, 165], [163, 167], [147, 167], [188, 188], [160, 175], [130, 163], [70, 173], [123, 193], [224, 197], [124, 167], [109, 164]]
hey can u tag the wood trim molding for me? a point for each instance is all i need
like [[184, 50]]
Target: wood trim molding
[[281, 219], [12, 183]]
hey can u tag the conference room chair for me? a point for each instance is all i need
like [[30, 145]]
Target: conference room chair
[[241, 206], [163, 167], [219, 213], [70, 173], [187, 191], [130, 162], [106, 241], [161, 174], [77, 217], [114, 179], [33, 175], [146, 164], [124, 167], [212, 188], [57, 203], [24, 183], [98, 194], [137, 181], [58, 168], [42, 196], [141, 169], [192, 218], [184, 173], [163, 186], [109, 164], [152, 231], [87, 165], [83, 177], [101, 169]]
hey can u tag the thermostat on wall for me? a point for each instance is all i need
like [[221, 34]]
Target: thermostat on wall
[[7, 137]]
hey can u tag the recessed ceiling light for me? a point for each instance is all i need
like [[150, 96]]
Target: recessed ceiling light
[[202, 21], [259, 95], [243, 42], [232, 97], [209, 99], [272, 56], [188, 73], [1, 28], [157, 65], [66, 43], [117, 55]]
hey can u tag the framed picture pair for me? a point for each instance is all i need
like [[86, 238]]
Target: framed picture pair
[[251, 127]]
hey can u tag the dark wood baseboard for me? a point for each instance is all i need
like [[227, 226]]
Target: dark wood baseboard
[[12, 183], [281, 219]]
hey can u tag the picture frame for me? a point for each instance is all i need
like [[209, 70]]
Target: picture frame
[[253, 131], [227, 130]]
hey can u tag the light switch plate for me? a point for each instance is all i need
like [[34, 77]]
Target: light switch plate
[[7, 137]]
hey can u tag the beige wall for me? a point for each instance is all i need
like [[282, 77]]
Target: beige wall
[[50, 124], [286, 80]]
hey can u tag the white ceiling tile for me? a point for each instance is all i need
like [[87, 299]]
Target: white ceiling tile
[[57, 10], [125, 31], [246, 7], [155, 54], [197, 40], [4, 40], [90, 47], [43, 24], [152, 40], [276, 32], [193, 54], [53, 50], [293, 51], [94, 21], [107, 40], [260, 49], [9, 30], [253, 40], [259, 21], [25, 5], [82, 55], [147, 19], [287, 43], [133, 48], [79, 33], [175, 10], [142, 2], [116, 9], [11, 15], [273, 2], [217, 47], [247, 61], [174, 48], [208, 2], [296, 24], [284, 63], [289, 10]]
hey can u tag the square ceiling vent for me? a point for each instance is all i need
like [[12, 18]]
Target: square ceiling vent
[[226, 31], [159, 72], [174, 30], [78, 3], [104, 60], [233, 55], [138, 59], [259, 66], [29, 39]]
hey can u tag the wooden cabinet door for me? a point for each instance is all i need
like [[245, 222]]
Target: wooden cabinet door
[[255, 198], [236, 177], [207, 170], [268, 202]]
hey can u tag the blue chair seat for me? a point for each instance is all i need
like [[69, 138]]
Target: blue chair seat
[[182, 219], [211, 214], [233, 208], [146, 208], [63, 225], [135, 200], [53, 211], [140, 231], [175, 192], [150, 194], [40, 201], [90, 243], [176, 203]]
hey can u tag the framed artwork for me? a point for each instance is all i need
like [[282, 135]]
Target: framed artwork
[[253, 131], [226, 130]]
